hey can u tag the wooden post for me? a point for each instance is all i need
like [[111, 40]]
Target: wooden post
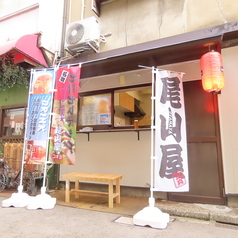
[[76, 188], [110, 191], [67, 195], [118, 197]]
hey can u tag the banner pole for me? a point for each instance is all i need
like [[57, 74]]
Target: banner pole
[[20, 187], [152, 215], [151, 199], [43, 200], [21, 199], [43, 189]]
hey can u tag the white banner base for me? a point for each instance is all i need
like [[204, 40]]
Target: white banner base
[[19, 199], [151, 216], [41, 201]]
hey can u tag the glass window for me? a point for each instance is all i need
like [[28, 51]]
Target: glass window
[[132, 104], [95, 110], [128, 98], [128, 105], [13, 122]]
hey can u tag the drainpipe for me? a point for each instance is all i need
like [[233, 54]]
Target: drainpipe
[[82, 10], [55, 170], [64, 27]]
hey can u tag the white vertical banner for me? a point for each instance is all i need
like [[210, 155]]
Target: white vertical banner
[[171, 164]]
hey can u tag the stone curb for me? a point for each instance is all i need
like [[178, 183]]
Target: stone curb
[[200, 211]]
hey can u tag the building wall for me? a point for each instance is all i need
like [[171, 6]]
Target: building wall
[[37, 17], [228, 112], [13, 96], [132, 22], [50, 24], [114, 152], [16, 25]]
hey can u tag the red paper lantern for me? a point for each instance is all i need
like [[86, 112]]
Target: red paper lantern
[[212, 72]]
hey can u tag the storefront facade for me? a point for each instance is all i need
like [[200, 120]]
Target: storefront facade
[[173, 37], [122, 152]]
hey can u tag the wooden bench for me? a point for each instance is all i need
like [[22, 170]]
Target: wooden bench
[[93, 177]]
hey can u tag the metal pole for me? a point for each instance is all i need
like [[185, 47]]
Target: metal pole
[[47, 142], [151, 200], [20, 187]]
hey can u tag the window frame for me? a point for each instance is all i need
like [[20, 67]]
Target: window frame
[[96, 127], [109, 91], [2, 114]]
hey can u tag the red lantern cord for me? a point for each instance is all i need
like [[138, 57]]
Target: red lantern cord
[[212, 72]]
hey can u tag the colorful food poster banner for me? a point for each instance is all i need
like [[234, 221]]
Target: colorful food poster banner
[[97, 111], [171, 163], [39, 110], [103, 105], [65, 108]]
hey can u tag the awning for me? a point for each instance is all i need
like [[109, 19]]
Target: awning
[[169, 50], [24, 49]]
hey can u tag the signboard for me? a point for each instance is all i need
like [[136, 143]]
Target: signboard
[[65, 108], [171, 165], [39, 109], [97, 111]]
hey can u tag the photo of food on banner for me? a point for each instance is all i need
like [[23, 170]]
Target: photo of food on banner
[[62, 145], [35, 152], [42, 84]]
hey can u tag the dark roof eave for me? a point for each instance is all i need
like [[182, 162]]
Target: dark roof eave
[[183, 47]]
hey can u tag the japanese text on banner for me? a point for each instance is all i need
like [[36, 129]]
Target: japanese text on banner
[[171, 166], [65, 107], [39, 109]]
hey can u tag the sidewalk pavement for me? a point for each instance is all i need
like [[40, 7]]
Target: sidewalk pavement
[[130, 205], [65, 221], [218, 213]]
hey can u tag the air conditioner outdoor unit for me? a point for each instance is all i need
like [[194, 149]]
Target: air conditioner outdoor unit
[[82, 35]]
